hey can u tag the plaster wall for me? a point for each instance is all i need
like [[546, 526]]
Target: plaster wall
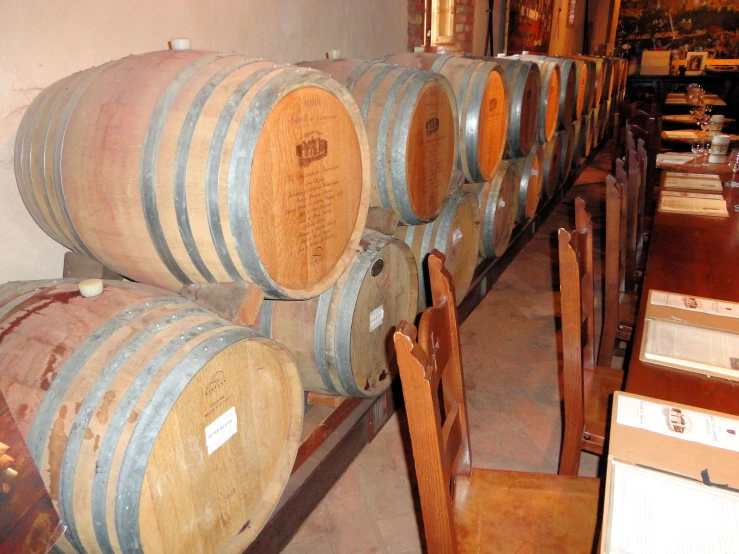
[[42, 41]]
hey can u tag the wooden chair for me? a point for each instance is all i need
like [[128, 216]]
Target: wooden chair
[[466, 509], [587, 387], [617, 142], [619, 307]]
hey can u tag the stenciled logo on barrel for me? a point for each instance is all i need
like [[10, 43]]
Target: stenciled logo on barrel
[[311, 149]]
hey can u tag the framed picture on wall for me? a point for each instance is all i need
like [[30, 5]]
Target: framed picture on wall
[[695, 63]]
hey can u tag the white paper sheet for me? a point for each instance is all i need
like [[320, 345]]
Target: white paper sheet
[[655, 513], [692, 347]]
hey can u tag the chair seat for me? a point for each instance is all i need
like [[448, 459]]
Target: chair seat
[[599, 384], [525, 513]]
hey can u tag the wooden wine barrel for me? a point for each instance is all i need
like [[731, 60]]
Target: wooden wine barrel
[[182, 167], [552, 154], [156, 425], [342, 340], [599, 77], [568, 87], [411, 120], [529, 188], [586, 138], [456, 235], [482, 105], [568, 150], [498, 201], [583, 87], [549, 107], [524, 98]]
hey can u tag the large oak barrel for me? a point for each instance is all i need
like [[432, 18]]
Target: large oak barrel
[[498, 201], [156, 425], [186, 167], [342, 340], [552, 154], [586, 134], [568, 87], [411, 120], [549, 104], [601, 118], [482, 105], [599, 77], [524, 98], [529, 188], [456, 235], [583, 86]]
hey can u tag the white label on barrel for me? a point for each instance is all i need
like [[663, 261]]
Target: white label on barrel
[[501, 203], [376, 317], [456, 235], [222, 429], [534, 172]]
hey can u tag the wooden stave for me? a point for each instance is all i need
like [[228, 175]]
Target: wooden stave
[[156, 269], [423, 238], [146, 314], [469, 90], [327, 366], [496, 228], [587, 133], [530, 189], [577, 137], [550, 93], [521, 75], [389, 188], [552, 152], [568, 150]]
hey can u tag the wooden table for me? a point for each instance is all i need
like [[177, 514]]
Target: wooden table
[[678, 99], [698, 256], [722, 169], [690, 136]]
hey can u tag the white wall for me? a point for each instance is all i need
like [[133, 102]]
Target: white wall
[[42, 41]]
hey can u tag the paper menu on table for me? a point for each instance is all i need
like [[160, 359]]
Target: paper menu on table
[[692, 347], [690, 205], [691, 333], [688, 194], [694, 304], [694, 181], [653, 512], [678, 422]]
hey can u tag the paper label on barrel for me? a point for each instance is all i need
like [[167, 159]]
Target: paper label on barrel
[[456, 235], [534, 172], [222, 429], [376, 317]]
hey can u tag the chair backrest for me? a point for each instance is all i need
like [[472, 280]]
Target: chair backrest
[[622, 178], [651, 134], [430, 366], [633, 195], [578, 311], [616, 143], [615, 225]]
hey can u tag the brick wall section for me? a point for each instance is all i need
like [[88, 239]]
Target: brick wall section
[[464, 21], [416, 10]]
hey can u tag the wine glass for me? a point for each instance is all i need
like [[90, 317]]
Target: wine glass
[[733, 165], [696, 149], [706, 151]]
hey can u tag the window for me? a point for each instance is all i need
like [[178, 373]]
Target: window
[[442, 22]]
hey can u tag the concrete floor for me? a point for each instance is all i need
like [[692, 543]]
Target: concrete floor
[[510, 350]]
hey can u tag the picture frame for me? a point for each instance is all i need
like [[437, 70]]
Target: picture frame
[[695, 63]]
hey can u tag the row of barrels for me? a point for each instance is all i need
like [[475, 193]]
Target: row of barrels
[[187, 167]]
